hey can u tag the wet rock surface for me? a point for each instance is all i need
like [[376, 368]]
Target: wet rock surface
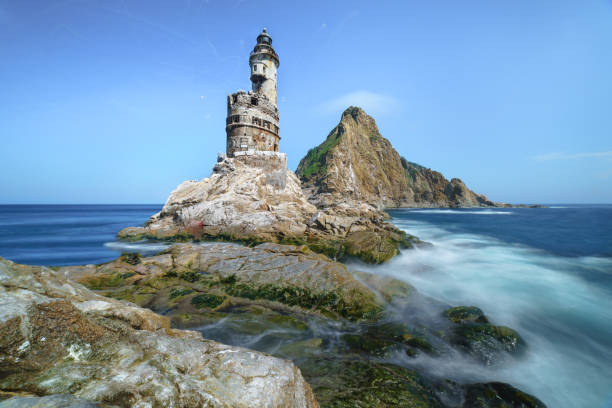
[[360, 346], [215, 277], [474, 333], [61, 338]]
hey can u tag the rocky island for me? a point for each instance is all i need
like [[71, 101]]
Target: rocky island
[[304, 329]]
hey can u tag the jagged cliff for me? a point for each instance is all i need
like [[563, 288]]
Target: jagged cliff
[[356, 163]]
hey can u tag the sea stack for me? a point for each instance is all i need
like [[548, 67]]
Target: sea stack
[[252, 197]]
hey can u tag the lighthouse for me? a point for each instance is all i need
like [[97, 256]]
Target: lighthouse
[[264, 63], [252, 117]]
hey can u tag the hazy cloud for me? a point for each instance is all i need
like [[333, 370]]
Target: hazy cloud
[[570, 156], [373, 103]]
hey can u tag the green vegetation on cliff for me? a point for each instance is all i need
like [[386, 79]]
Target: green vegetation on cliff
[[314, 162], [356, 162]]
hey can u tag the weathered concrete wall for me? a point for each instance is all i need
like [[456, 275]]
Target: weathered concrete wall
[[251, 124], [252, 118], [263, 74], [273, 164]]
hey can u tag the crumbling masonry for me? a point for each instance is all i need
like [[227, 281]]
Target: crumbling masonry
[[252, 117]]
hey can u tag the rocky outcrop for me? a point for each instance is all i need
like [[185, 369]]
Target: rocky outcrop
[[191, 278], [60, 338], [246, 198], [356, 163], [337, 325], [254, 198]]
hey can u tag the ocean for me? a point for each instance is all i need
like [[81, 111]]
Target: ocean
[[546, 272]]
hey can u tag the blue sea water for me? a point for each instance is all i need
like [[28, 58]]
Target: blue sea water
[[67, 234], [546, 272]]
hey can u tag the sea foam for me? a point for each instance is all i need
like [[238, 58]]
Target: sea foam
[[564, 318]]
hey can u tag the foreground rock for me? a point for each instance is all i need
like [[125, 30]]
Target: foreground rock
[[356, 163], [254, 198], [220, 276], [60, 338], [346, 330]]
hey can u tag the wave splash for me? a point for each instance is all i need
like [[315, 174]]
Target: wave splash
[[478, 212], [561, 313]]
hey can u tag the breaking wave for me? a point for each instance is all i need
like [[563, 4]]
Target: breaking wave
[[479, 212]]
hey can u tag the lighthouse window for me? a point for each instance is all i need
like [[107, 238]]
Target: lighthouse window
[[264, 69], [254, 67]]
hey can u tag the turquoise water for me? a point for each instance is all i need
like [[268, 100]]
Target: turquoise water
[[545, 272]]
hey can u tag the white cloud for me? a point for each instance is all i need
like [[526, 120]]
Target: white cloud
[[569, 156], [373, 103]]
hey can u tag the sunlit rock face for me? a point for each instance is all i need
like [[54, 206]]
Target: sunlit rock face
[[249, 196], [60, 338], [356, 163], [253, 197]]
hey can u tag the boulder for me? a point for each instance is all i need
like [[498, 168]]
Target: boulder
[[61, 338], [473, 333]]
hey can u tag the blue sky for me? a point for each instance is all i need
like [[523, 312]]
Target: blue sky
[[120, 101]]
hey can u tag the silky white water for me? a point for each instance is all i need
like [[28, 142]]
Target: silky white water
[[556, 303]]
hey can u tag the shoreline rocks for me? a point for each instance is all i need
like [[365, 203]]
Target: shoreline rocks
[[254, 198], [61, 338], [347, 331]]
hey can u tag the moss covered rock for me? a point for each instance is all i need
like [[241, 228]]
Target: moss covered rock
[[464, 314], [499, 395], [367, 384], [289, 276], [381, 339], [473, 332]]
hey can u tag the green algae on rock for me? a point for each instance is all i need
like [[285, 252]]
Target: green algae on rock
[[499, 395], [288, 276], [474, 333], [463, 314], [367, 384]]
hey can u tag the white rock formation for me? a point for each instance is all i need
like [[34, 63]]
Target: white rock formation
[[246, 196], [60, 338]]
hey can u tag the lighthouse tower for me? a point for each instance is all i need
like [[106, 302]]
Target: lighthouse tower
[[264, 63], [252, 117]]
